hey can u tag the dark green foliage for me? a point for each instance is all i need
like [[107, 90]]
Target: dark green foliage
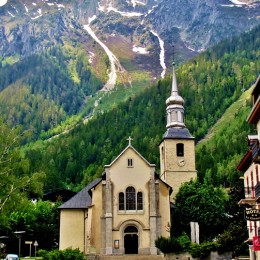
[[168, 245], [202, 203], [218, 214], [184, 242], [232, 239], [41, 90], [17, 182], [80, 155], [39, 220], [202, 250], [67, 254]]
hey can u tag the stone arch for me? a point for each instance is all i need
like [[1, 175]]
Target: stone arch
[[135, 224]]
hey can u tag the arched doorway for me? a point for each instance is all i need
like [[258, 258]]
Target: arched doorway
[[131, 240]]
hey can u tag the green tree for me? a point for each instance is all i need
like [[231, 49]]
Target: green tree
[[40, 220], [16, 181], [202, 203]]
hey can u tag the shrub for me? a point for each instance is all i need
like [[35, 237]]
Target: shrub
[[168, 245], [67, 254], [202, 250], [184, 241]]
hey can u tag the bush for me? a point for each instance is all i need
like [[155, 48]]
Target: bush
[[168, 245], [184, 241], [67, 254], [202, 250]]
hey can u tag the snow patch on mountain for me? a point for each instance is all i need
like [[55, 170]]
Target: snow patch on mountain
[[26, 8], [140, 50], [91, 57], [135, 3], [3, 2], [162, 53], [36, 17], [110, 8], [115, 65], [15, 9], [127, 14], [236, 2], [10, 13]]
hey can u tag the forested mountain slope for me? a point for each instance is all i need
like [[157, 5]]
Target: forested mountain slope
[[42, 90], [100, 45], [209, 84]]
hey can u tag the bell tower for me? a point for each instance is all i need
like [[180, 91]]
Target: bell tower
[[177, 148]]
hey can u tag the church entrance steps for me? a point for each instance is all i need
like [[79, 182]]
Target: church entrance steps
[[130, 257]]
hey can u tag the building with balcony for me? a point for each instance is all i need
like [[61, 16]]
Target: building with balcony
[[250, 166]]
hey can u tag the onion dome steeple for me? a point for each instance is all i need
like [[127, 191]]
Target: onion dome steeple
[[175, 109]]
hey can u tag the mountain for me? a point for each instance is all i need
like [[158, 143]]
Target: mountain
[[56, 57], [209, 83]]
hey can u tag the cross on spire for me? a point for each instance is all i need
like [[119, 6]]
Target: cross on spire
[[129, 140]]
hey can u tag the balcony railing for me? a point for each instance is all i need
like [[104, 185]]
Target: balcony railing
[[257, 190], [256, 152], [250, 192]]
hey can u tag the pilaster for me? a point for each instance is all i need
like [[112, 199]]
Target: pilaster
[[153, 217]]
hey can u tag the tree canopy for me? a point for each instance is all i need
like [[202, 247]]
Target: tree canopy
[[17, 183]]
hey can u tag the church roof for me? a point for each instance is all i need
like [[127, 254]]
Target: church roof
[[177, 133], [130, 147], [83, 199]]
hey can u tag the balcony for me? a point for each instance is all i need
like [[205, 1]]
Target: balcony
[[250, 192], [249, 200], [257, 192], [256, 152]]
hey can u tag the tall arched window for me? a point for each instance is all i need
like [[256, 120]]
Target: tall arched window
[[121, 201], [130, 198], [139, 200]]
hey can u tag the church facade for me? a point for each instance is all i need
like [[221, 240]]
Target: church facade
[[125, 210]]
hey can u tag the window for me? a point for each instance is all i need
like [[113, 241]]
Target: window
[[247, 186], [131, 229], [121, 201], [130, 198], [180, 149], [252, 185], [139, 200], [129, 162], [256, 172]]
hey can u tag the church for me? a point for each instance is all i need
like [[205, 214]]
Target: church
[[128, 208]]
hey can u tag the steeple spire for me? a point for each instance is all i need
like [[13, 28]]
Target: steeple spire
[[175, 109]]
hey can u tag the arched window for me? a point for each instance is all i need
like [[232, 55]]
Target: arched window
[[130, 198], [139, 200], [121, 201], [131, 229], [180, 149]]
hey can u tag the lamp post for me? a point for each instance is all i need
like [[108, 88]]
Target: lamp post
[[19, 235], [35, 247]]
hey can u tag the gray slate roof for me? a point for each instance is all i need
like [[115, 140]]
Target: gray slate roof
[[177, 133], [81, 200]]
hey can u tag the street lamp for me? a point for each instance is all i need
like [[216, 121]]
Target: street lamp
[[19, 235], [35, 246]]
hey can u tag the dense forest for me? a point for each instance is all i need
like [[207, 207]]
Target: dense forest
[[42, 90], [209, 84]]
